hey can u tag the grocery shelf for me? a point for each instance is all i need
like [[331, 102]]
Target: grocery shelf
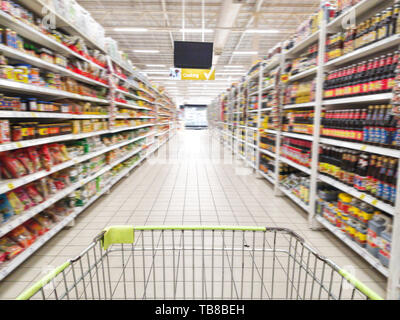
[[357, 194], [13, 264], [359, 9], [268, 153], [295, 199], [251, 145], [366, 51], [269, 131], [266, 109], [303, 44], [353, 245], [382, 97], [304, 74], [295, 165], [49, 115], [132, 128], [131, 106], [10, 184], [36, 36], [267, 177], [298, 136], [272, 86], [24, 88], [300, 105], [37, 62], [39, 5], [362, 147]]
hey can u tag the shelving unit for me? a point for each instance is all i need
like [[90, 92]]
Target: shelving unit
[[151, 108], [225, 127]]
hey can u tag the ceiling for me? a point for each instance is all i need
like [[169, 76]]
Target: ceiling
[[229, 23]]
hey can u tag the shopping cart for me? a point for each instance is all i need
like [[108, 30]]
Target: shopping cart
[[126, 262]]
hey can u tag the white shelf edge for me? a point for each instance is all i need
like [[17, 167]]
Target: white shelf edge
[[359, 195], [361, 251], [296, 200], [295, 165]]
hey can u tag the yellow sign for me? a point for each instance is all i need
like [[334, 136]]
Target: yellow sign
[[192, 74], [284, 78]]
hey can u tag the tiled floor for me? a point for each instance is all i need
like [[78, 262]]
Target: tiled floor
[[191, 181]]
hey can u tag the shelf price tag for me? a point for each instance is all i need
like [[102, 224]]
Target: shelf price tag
[[19, 145], [374, 202], [363, 148], [10, 186], [362, 196]]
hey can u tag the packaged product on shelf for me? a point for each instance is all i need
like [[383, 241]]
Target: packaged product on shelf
[[36, 228], [375, 228], [385, 243], [22, 236], [10, 248], [6, 210]]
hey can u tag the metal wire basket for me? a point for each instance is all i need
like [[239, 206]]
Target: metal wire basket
[[234, 263]]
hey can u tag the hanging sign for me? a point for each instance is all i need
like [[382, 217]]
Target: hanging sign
[[192, 74]]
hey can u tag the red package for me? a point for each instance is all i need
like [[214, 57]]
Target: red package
[[34, 194], [22, 236], [3, 256], [35, 227], [35, 158], [56, 154], [23, 196], [10, 248], [12, 167], [23, 157], [45, 157]]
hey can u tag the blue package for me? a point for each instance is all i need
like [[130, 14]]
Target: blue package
[[6, 210]]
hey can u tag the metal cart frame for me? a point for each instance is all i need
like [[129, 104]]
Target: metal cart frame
[[198, 262]]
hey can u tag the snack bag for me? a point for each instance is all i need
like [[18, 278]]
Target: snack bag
[[10, 247], [11, 167], [22, 156], [24, 198], [45, 221], [42, 188], [35, 227], [3, 257], [17, 205], [45, 157], [34, 194], [6, 209], [51, 186], [22, 236], [64, 152], [35, 158], [56, 154]]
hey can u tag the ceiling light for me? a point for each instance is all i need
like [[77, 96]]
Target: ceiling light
[[131, 29], [196, 30], [262, 31], [245, 52], [156, 65], [146, 51]]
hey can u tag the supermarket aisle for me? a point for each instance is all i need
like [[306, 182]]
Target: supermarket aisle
[[190, 181]]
